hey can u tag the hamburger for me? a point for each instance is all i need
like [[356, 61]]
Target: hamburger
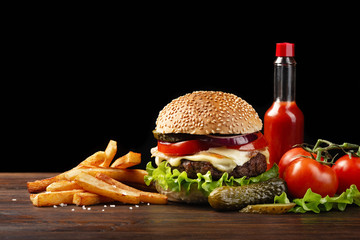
[[205, 140]]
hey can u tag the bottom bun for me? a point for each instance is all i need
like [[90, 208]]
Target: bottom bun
[[194, 196]]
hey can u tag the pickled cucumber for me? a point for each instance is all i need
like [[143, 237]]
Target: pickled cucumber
[[275, 208], [235, 198], [174, 137]]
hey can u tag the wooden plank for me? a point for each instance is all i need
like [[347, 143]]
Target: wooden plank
[[21, 220]]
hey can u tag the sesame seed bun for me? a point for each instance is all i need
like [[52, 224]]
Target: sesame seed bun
[[208, 112]]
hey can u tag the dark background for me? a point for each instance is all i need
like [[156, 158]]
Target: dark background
[[76, 81]]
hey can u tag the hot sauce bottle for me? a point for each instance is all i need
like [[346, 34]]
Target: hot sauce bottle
[[283, 121]]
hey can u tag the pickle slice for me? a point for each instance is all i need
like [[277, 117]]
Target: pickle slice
[[174, 137], [275, 208]]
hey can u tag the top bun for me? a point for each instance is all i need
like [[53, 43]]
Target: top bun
[[208, 112]]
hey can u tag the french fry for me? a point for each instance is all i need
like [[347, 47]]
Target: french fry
[[72, 174], [62, 185], [122, 175], [87, 198], [149, 197], [110, 152], [53, 198], [94, 185], [80, 186], [128, 160], [40, 185], [32, 197], [94, 160]]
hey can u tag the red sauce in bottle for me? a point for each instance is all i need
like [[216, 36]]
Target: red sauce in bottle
[[283, 121]]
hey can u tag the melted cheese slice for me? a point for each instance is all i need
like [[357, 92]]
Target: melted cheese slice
[[222, 158]]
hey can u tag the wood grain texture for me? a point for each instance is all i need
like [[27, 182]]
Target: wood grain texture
[[21, 220]]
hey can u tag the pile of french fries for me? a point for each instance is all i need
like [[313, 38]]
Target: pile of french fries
[[96, 180]]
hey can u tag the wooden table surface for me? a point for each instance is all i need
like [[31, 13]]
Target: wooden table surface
[[21, 220]]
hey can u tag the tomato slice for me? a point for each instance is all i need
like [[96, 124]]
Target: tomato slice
[[259, 143], [180, 148]]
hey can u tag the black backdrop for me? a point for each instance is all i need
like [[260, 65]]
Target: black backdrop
[[75, 84]]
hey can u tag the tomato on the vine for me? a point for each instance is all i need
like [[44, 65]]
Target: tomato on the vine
[[348, 172], [304, 169], [289, 157], [305, 173]]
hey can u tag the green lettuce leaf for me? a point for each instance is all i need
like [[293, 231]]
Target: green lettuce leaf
[[282, 198], [313, 202], [175, 180]]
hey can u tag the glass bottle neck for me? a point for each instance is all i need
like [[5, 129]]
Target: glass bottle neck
[[284, 79]]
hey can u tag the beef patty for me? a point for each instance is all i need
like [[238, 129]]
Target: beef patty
[[255, 166]]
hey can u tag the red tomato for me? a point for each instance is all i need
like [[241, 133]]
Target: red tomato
[[348, 172], [259, 143], [180, 148], [289, 156], [305, 173]]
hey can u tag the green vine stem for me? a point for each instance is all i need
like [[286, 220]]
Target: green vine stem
[[332, 146], [323, 152]]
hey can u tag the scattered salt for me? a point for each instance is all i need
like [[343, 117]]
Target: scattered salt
[[55, 206], [112, 205], [73, 210], [105, 205], [83, 207], [103, 210], [14, 199], [136, 205], [89, 208], [130, 208], [148, 203]]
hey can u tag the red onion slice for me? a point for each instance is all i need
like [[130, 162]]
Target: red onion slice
[[230, 140]]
